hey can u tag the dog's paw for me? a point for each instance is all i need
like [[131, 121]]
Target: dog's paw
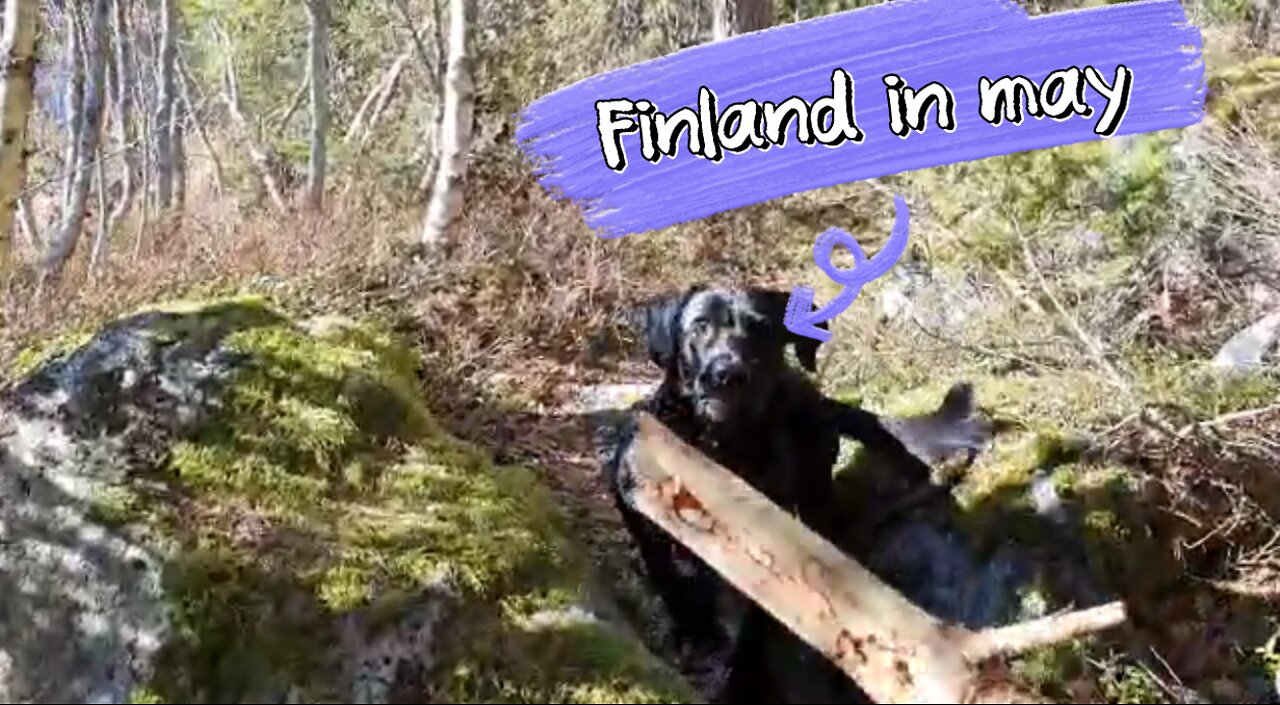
[[955, 428]]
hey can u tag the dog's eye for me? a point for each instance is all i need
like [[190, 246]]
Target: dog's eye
[[700, 326]]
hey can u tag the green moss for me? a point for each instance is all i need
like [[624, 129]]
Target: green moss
[[1130, 684], [36, 354], [323, 487], [980, 200], [1137, 188], [1046, 669], [1203, 391], [140, 696], [593, 662], [1248, 89]]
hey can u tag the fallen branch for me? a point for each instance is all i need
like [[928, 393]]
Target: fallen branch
[[896, 651], [1230, 418]]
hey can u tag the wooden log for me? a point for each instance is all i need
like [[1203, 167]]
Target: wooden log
[[896, 651]]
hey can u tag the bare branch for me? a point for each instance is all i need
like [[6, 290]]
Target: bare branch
[[1046, 631], [262, 156], [296, 101]]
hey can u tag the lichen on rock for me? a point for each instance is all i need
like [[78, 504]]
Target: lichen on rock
[[211, 501]]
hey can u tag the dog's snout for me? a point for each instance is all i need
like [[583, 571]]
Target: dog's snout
[[725, 371]]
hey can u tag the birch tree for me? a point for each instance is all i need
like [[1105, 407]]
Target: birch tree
[[318, 68], [733, 17], [17, 69], [87, 92], [166, 104], [455, 135]]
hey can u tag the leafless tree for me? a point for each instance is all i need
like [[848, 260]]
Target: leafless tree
[[126, 131], [89, 51]]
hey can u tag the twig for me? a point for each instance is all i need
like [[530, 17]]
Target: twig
[[1228, 418], [295, 102], [1090, 344], [1020, 638], [975, 347]]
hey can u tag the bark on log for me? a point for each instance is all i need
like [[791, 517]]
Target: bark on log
[[895, 650]]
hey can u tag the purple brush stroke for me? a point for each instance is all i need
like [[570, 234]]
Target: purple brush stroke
[[800, 318], [954, 42]]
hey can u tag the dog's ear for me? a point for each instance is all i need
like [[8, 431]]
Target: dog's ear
[[774, 304], [656, 320]]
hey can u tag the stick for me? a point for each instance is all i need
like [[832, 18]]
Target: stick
[[895, 650]]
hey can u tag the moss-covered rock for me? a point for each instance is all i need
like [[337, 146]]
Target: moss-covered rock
[[271, 514]]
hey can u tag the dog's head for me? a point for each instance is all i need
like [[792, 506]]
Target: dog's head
[[723, 348]]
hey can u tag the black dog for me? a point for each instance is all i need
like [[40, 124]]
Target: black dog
[[728, 391]]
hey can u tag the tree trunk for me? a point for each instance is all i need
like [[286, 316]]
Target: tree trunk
[[17, 70], [318, 61], [896, 651], [431, 126], [166, 104], [455, 138], [733, 17], [178, 152], [27, 225], [102, 240], [87, 123], [146, 137], [125, 128], [145, 140], [73, 48]]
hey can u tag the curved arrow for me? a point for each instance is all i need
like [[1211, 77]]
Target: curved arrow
[[800, 317]]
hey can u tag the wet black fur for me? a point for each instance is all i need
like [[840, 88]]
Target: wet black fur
[[787, 453]]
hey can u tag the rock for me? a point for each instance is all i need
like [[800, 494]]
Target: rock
[[211, 502], [1245, 351], [941, 300]]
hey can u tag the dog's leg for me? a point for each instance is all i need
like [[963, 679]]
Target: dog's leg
[[690, 599], [870, 430], [750, 680], [690, 595]]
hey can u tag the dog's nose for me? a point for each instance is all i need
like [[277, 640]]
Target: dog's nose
[[723, 372]]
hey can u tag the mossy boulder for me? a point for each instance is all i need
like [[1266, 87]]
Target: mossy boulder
[[211, 502]]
